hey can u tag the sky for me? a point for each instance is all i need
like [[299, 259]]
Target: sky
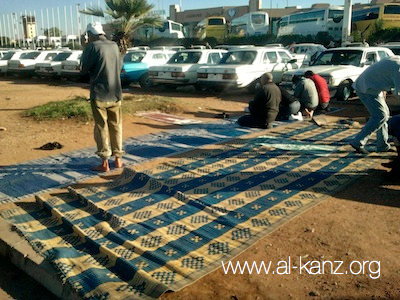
[[17, 6]]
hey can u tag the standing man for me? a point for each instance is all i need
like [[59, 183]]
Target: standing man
[[322, 89], [371, 87], [265, 106], [102, 60]]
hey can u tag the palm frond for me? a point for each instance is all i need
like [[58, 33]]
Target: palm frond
[[93, 11]]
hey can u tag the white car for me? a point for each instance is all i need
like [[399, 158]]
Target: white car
[[12, 54], [182, 67], [303, 51], [243, 67], [3, 52], [71, 68], [341, 67], [53, 68], [25, 64]]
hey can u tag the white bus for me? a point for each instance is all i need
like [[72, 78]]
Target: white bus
[[250, 24], [169, 29], [311, 22]]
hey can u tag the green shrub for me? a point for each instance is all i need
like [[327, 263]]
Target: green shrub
[[79, 108]]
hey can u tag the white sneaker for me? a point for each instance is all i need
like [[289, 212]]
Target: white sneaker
[[298, 117]]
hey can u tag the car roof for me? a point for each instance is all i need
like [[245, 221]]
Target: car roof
[[355, 48], [151, 51], [201, 50], [258, 48]]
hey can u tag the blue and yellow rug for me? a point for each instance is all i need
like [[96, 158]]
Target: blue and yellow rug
[[23, 180], [147, 232]]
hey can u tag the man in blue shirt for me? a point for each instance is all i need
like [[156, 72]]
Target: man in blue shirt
[[371, 87]]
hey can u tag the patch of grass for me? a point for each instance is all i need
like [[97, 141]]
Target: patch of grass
[[79, 109], [134, 104]]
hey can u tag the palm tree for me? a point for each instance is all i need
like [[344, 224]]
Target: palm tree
[[124, 17]]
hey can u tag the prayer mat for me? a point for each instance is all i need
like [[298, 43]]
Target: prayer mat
[[167, 118], [24, 179], [151, 231]]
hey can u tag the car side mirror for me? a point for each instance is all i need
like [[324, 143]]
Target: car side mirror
[[293, 60]]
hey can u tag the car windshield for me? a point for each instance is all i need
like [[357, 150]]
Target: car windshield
[[135, 57], [342, 57], [30, 55], [8, 55], [62, 56], [185, 58], [239, 58]]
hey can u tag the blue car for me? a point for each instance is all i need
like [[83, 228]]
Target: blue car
[[136, 65]]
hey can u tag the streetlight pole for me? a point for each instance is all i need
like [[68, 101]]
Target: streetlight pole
[[79, 23], [346, 29]]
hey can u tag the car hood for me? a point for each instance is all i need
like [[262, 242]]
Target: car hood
[[220, 69], [328, 70], [175, 68], [135, 66], [48, 64]]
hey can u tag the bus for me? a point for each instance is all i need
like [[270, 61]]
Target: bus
[[365, 20], [214, 27], [329, 19], [169, 29], [250, 24]]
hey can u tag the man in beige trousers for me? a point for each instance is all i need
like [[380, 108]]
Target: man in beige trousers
[[102, 60]]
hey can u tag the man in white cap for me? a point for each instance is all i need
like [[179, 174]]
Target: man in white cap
[[102, 60]]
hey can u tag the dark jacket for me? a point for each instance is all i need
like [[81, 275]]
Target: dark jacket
[[101, 59], [265, 105]]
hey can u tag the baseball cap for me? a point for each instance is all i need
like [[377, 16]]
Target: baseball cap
[[95, 28]]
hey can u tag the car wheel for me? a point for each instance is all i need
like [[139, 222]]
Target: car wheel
[[144, 81], [125, 84], [344, 91], [252, 87], [199, 87]]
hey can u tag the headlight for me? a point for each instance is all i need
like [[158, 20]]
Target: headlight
[[330, 80], [287, 78]]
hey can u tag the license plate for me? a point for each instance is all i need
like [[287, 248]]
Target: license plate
[[213, 76], [164, 74]]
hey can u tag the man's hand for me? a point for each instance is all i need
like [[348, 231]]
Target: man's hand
[[84, 41]]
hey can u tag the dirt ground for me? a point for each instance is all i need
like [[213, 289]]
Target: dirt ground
[[359, 226]]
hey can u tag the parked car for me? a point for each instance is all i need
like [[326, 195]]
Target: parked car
[[172, 48], [12, 54], [53, 68], [303, 52], [71, 68], [25, 64], [182, 67], [341, 67], [136, 65], [394, 46], [3, 52], [243, 67]]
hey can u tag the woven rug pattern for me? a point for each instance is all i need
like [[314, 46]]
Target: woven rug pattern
[[23, 180], [144, 233]]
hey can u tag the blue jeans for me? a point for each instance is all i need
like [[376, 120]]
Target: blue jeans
[[379, 115]]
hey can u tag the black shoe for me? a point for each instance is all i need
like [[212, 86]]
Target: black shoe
[[360, 150], [391, 164], [393, 174]]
